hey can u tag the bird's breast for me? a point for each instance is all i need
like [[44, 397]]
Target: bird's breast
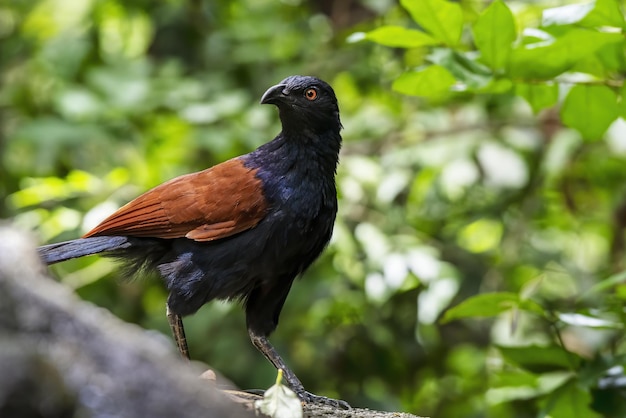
[[301, 200]]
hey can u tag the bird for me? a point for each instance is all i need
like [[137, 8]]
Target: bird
[[242, 230]]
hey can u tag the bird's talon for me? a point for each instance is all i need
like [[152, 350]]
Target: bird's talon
[[308, 397]]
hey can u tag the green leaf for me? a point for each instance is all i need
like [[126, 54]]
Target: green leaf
[[610, 281], [497, 86], [482, 235], [622, 103], [509, 377], [569, 401], [612, 59], [590, 110], [604, 13], [470, 73], [539, 96], [442, 19], [399, 37], [545, 60], [494, 31], [588, 321], [489, 304], [540, 359], [432, 82], [565, 15], [279, 401], [600, 13]]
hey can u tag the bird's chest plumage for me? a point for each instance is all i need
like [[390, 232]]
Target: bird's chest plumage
[[302, 205], [301, 215]]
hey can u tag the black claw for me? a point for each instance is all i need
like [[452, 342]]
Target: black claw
[[308, 397]]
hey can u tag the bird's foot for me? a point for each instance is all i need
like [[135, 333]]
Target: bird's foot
[[308, 397]]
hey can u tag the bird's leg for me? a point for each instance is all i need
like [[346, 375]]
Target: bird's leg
[[263, 345], [178, 330]]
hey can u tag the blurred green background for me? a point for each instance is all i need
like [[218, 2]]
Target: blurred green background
[[440, 199]]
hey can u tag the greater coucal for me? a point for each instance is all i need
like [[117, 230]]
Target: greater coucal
[[243, 229]]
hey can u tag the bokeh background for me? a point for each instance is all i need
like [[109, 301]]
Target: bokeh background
[[440, 200]]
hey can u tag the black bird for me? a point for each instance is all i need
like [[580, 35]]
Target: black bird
[[243, 229]]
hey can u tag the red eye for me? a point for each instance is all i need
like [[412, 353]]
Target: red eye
[[310, 94]]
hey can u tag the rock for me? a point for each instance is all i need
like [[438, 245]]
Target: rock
[[63, 357]]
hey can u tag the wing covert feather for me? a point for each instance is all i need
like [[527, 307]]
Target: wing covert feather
[[211, 204]]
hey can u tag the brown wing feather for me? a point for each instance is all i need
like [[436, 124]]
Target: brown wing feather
[[204, 206]]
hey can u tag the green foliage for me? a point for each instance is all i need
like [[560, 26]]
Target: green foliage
[[442, 19], [579, 44], [400, 37], [433, 81], [477, 264], [538, 96], [496, 19], [590, 110], [490, 304], [531, 210]]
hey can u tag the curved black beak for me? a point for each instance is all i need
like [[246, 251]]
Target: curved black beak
[[274, 94]]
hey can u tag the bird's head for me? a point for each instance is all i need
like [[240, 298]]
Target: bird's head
[[305, 103]]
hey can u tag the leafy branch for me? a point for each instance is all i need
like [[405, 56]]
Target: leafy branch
[[575, 53]]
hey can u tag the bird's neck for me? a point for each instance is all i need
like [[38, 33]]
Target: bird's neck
[[300, 151]]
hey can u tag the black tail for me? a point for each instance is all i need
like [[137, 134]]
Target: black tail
[[54, 253]]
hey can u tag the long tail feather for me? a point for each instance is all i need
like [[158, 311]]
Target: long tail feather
[[54, 253]]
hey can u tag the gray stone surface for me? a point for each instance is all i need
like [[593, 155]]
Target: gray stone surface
[[63, 357]]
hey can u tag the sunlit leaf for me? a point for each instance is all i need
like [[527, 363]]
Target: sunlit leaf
[[399, 37], [611, 58], [432, 82], [540, 359], [569, 401], [513, 377], [494, 31], [45, 19], [538, 96], [599, 13], [123, 33], [590, 110], [39, 192], [580, 320], [481, 235], [565, 15], [279, 401], [497, 86], [604, 13], [469, 73], [544, 60], [442, 19], [488, 305]]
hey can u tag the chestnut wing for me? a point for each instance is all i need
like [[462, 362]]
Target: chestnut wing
[[211, 204]]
